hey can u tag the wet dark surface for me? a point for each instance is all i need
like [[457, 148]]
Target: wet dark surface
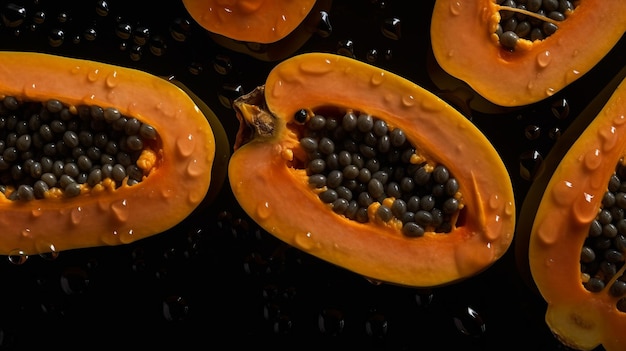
[[217, 277]]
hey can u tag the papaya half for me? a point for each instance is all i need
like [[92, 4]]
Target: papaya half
[[265, 30], [518, 53], [368, 171], [95, 154], [577, 241]]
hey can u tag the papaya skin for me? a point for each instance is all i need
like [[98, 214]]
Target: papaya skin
[[465, 46], [177, 183], [579, 318], [277, 195], [257, 21]]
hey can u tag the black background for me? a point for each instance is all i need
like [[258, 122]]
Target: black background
[[216, 278]]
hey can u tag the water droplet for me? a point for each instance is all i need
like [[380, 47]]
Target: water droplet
[[17, 257], [554, 133], [372, 56], [222, 64], [424, 298], [282, 324], [136, 52], [592, 160], [185, 146], [378, 78], [48, 251], [63, 17], [228, 93], [194, 169], [141, 35], [529, 163], [331, 322], [180, 29], [376, 325], [583, 210], [345, 48], [74, 280], [408, 100], [102, 8], [36, 212], [572, 75], [263, 210], [456, 8], [76, 215], [562, 193], [550, 91], [470, 323], [13, 15], [90, 34], [112, 80], [56, 37], [195, 68], [324, 26], [532, 132], [123, 30], [157, 46], [120, 210], [560, 108], [391, 28], [92, 76], [304, 241], [544, 58], [39, 17]]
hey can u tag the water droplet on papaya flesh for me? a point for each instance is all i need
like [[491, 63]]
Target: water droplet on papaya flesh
[[603, 252], [368, 171], [529, 20], [49, 149]]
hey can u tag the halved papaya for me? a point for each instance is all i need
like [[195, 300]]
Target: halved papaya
[[577, 242], [368, 171], [470, 42], [95, 154]]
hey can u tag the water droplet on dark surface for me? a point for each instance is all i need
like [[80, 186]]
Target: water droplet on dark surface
[[554, 133], [560, 108], [529, 163], [175, 308], [532, 132], [56, 37], [141, 35], [470, 323], [424, 298], [90, 34], [376, 325], [222, 64], [136, 52], [180, 29], [228, 93], [13, 15], [331, 321], [102, 8], [74, 280], [157, 45], [324, 26], [391, 28], [345, 48], [39, 17], [123, 30], [372, 56]]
